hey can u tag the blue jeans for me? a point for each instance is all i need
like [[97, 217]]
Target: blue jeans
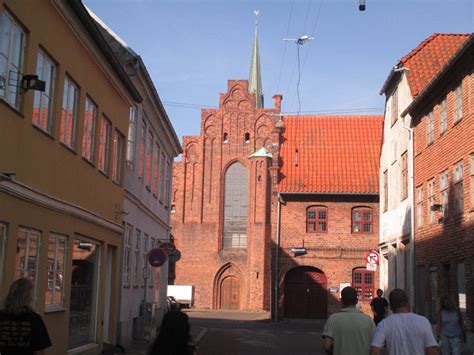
[[450, 345]]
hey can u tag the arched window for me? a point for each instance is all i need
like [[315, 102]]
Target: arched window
[[317, 219], [247, 137], [363, 282], [235, 207], [226, 138], [362, 220]]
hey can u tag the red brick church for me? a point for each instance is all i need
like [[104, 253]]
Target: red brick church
[[276, 210]]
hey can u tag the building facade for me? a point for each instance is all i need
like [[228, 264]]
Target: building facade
[[152, 145], [62, 162], [246, 210], [443, 125]]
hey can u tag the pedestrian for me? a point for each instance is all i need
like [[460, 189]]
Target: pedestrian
[[450, 326], [349, 331], [403, 332], [22, 330], [173, 336], [379, 307]]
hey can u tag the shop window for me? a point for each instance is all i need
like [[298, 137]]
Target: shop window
[[362, 220], [54, 297], [363, 282], [317, 219]]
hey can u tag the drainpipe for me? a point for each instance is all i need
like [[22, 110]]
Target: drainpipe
[[277, 260], [412, 217]]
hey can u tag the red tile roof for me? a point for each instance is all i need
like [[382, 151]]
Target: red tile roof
[[426, 60], [331, 154]]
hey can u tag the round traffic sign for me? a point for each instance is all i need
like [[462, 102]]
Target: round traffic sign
[[372, 258], [168, 248], [157, 257], [175, 256]]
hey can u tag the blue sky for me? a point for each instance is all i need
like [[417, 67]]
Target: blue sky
[[191, 48]]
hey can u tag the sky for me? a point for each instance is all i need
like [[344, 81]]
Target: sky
[[191, 48]]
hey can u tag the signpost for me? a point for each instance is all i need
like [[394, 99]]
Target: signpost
[[372, 260], [175, 256], [157, 257], [168, 248]]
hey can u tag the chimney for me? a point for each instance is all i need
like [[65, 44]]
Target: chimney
[[277, 100]]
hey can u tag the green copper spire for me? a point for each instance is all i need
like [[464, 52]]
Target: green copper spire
[[255, 78]]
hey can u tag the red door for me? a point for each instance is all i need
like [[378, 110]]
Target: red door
[[305, 293], [230, 293]]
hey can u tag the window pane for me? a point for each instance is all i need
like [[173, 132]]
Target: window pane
[[368, 278], [322, 226], [322, 214], [357, 278], [357, 216], [356, 227], [5, 34], [367, 216], [367, 228], [312, 214]]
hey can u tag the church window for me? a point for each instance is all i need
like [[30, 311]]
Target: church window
[[226, 138], [247, 137], [235, 207]]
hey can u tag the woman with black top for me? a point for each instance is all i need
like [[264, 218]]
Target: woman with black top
[[22, 330]]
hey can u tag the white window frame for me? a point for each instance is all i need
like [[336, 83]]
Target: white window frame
[[55, 270], [104, 145], [443, 116], [136, 278], [149, 160], [457, 104], [430, 134], [15, 53], [151, 283], [117, 157], [23, 272], [47, 94], [88, 130], [155, 180], [127, 254], [146, 238], [443, 188], [142, 151], [431, 200], [131, 137], [70, 98], [459, 187], [419, 206]]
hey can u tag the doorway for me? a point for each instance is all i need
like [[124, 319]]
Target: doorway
[[230, 293], [305, 293]]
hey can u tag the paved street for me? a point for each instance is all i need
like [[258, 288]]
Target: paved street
[[227, 332]]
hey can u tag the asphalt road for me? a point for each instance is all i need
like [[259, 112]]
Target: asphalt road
[[232, 333]]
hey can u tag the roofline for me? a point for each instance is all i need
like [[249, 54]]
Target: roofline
[[330, 193], [88, 22], [387, 81], [437, 78]]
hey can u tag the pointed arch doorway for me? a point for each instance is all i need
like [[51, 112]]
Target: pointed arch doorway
[[228, 288], [305, 293]]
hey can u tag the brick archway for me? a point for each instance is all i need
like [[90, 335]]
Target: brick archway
[[305, 293], [228, 288]]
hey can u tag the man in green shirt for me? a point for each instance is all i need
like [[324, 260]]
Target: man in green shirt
[[348, 332]]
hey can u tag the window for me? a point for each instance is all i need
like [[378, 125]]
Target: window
[[136, 272], [247, 137], [404, 175], [235, 207], [459, 187], [443, 187], [104, 145], [3, 240], [430, 128], [385, 190], [54, 297], [226, 138], [394, 106], [443, 117], [151, 282], [156, 154], [162, 177], [141, 157], [149, 153], [144, 252], [457, 107], [88, 131], [132, 127], [27, 250], [127, 254], [68, 113], [12, 40], [419, 206], [317, 219], [363, 282], [118, 157], [472, 181], [168, 184], [362, 220], [431, 200], [42, 104]]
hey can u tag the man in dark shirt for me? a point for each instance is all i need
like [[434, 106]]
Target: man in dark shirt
[[379, 306], [24, 334]]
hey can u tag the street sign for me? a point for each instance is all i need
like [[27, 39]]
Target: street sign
[[157, 257], [168, 248], [371, 267], [372, 258], [175, 256]]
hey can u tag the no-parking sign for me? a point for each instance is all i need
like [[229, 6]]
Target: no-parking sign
[[157, 257]]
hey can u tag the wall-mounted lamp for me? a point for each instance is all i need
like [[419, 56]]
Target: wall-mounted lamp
[[437, 207], [31, 82]]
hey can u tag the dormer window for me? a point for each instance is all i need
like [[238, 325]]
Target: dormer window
[[247, 138], [226, 138]]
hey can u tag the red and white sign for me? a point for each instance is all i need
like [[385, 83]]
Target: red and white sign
[[372, 258]]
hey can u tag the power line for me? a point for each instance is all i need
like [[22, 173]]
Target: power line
[[284, 48]]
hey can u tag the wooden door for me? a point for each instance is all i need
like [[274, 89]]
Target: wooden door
[[230, 293], [305, 293]]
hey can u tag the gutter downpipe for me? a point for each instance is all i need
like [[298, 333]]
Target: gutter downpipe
[[412, 294], [277, 260]]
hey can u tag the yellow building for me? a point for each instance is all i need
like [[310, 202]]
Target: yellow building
[[62, 158]]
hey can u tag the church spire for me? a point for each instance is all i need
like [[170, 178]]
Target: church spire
[[255, 78]]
